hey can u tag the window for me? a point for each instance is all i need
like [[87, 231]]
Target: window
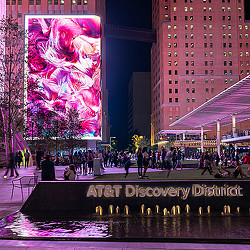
[[13, 2], [211, 72], [170, 118], [175, 18], [246, 27], [191, 18], [207, 90], [211, 63], [210, 26], [192, 72], [187, 72], [225, 53], [186, 8], [224, 45], [241, 72], [211, 45], [205, 45], [212, 90], [186, 18], [61, 2], [169, 45], [191, 26], [247, 53], [7, 2], [193, 82], [212, 81], [56, 2], [175, 81], [240, 18], [228, 9], [191, 9], [175, 35], [206, 81], [170, 99], [205, 18], [230, 45], [211, 53], [206, 72], [193, 90], [169, 54], [169, 63], [187, 63], [73, 2], [175, 45], [177, 118], [229, 18], [210, 9], [187, 90], [186, 35], [169, 81], [188, 99], [166, 15], [204, 9], [223, 18], [246, 36], [191, 36], [192, 54], [229, 27], [240, 35], [230, 63], [225, 72], [210, 35], [176, 91], [210, 18], [224, 26], [192, 63], [175, 27], [239, 9], [186, 54], [192, 45], [205, 35], [205, 27], [241, 63], [240, 27], [175, 63], [193, 99], [176, 100], [79, 2], [175, 54], [187, 81], [31, 2], [49, 2], [240, 45], [224, 35], [186, 27], [170, 91], [169, 35], [223, 9], [206, 63], [230, 53], [169, 27], [175, 9], [246, 45], [176, 72], [225, 63]]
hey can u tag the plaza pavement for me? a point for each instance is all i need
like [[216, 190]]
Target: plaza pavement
[[8, 206]]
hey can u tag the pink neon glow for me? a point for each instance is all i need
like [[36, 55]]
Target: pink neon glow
[[64, 65]]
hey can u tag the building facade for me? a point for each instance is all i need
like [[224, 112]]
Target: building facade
[[202, 48], [139, 104], [18, 8]]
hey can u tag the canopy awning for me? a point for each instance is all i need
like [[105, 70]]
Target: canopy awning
[[182, 131], [233, 101]]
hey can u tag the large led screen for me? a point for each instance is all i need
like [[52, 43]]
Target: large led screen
[[63, 75]]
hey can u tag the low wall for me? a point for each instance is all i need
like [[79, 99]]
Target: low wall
[[84, 196]]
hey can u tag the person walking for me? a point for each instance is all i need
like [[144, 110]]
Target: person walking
[[178, 160], [39, 155], [168, 158], [11, 166], [139, 162], [48, 169], [207, 165]]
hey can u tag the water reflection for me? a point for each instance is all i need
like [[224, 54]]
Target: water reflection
[[129, 226]]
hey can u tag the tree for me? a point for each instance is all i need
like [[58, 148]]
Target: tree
[[12, 52]]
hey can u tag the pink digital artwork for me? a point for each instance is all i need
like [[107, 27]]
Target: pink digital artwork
[[64, 72]]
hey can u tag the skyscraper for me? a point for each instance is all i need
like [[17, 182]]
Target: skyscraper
[[18, 8], [202, 48]]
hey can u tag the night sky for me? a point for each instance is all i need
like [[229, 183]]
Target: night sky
[[123, 58]]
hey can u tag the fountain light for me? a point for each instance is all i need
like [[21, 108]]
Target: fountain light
[[238, 209], [142, 209], [165, 212], [200, 210], [208, 209], [117, 210], [111, 209], [149, 211], [228, 209], [173, 210], [178, 209], [187, 209], [157, 209], [126, 210], [225, 209]]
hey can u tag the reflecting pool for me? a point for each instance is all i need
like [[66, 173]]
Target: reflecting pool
[[137, 226]]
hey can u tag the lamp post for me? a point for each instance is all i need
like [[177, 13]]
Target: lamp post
[[110, 140]]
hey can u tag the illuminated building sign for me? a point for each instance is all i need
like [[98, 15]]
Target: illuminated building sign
[[63, 69], [196, 190]]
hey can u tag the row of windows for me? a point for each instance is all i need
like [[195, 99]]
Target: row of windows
[[205, 9], [171, 91], [211, 63], [171, 100], [206, 54], [207, 81], [171, 118], [79, 2]]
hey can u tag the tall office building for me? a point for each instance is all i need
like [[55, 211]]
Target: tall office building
[[18, 8], [202, 48]]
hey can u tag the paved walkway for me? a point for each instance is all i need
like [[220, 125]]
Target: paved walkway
[[8, 206]]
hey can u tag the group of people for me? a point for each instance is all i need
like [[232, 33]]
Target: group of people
[[209, 160]]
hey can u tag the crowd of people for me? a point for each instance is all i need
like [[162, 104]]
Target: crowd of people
[[83, 162]]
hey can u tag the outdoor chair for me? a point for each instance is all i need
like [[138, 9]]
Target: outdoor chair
[[24, 182]]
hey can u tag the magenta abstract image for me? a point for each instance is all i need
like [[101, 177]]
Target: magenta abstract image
[[64, 72]]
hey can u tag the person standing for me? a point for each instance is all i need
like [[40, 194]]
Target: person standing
[[48, 169], [139, 162], [246, 159], [91, 161], [127, 166], [39, 155], [26, 158], [178, 160], [168, 159], [145, 162]]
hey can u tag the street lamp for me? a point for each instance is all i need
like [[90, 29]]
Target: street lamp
[[110, 139]]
